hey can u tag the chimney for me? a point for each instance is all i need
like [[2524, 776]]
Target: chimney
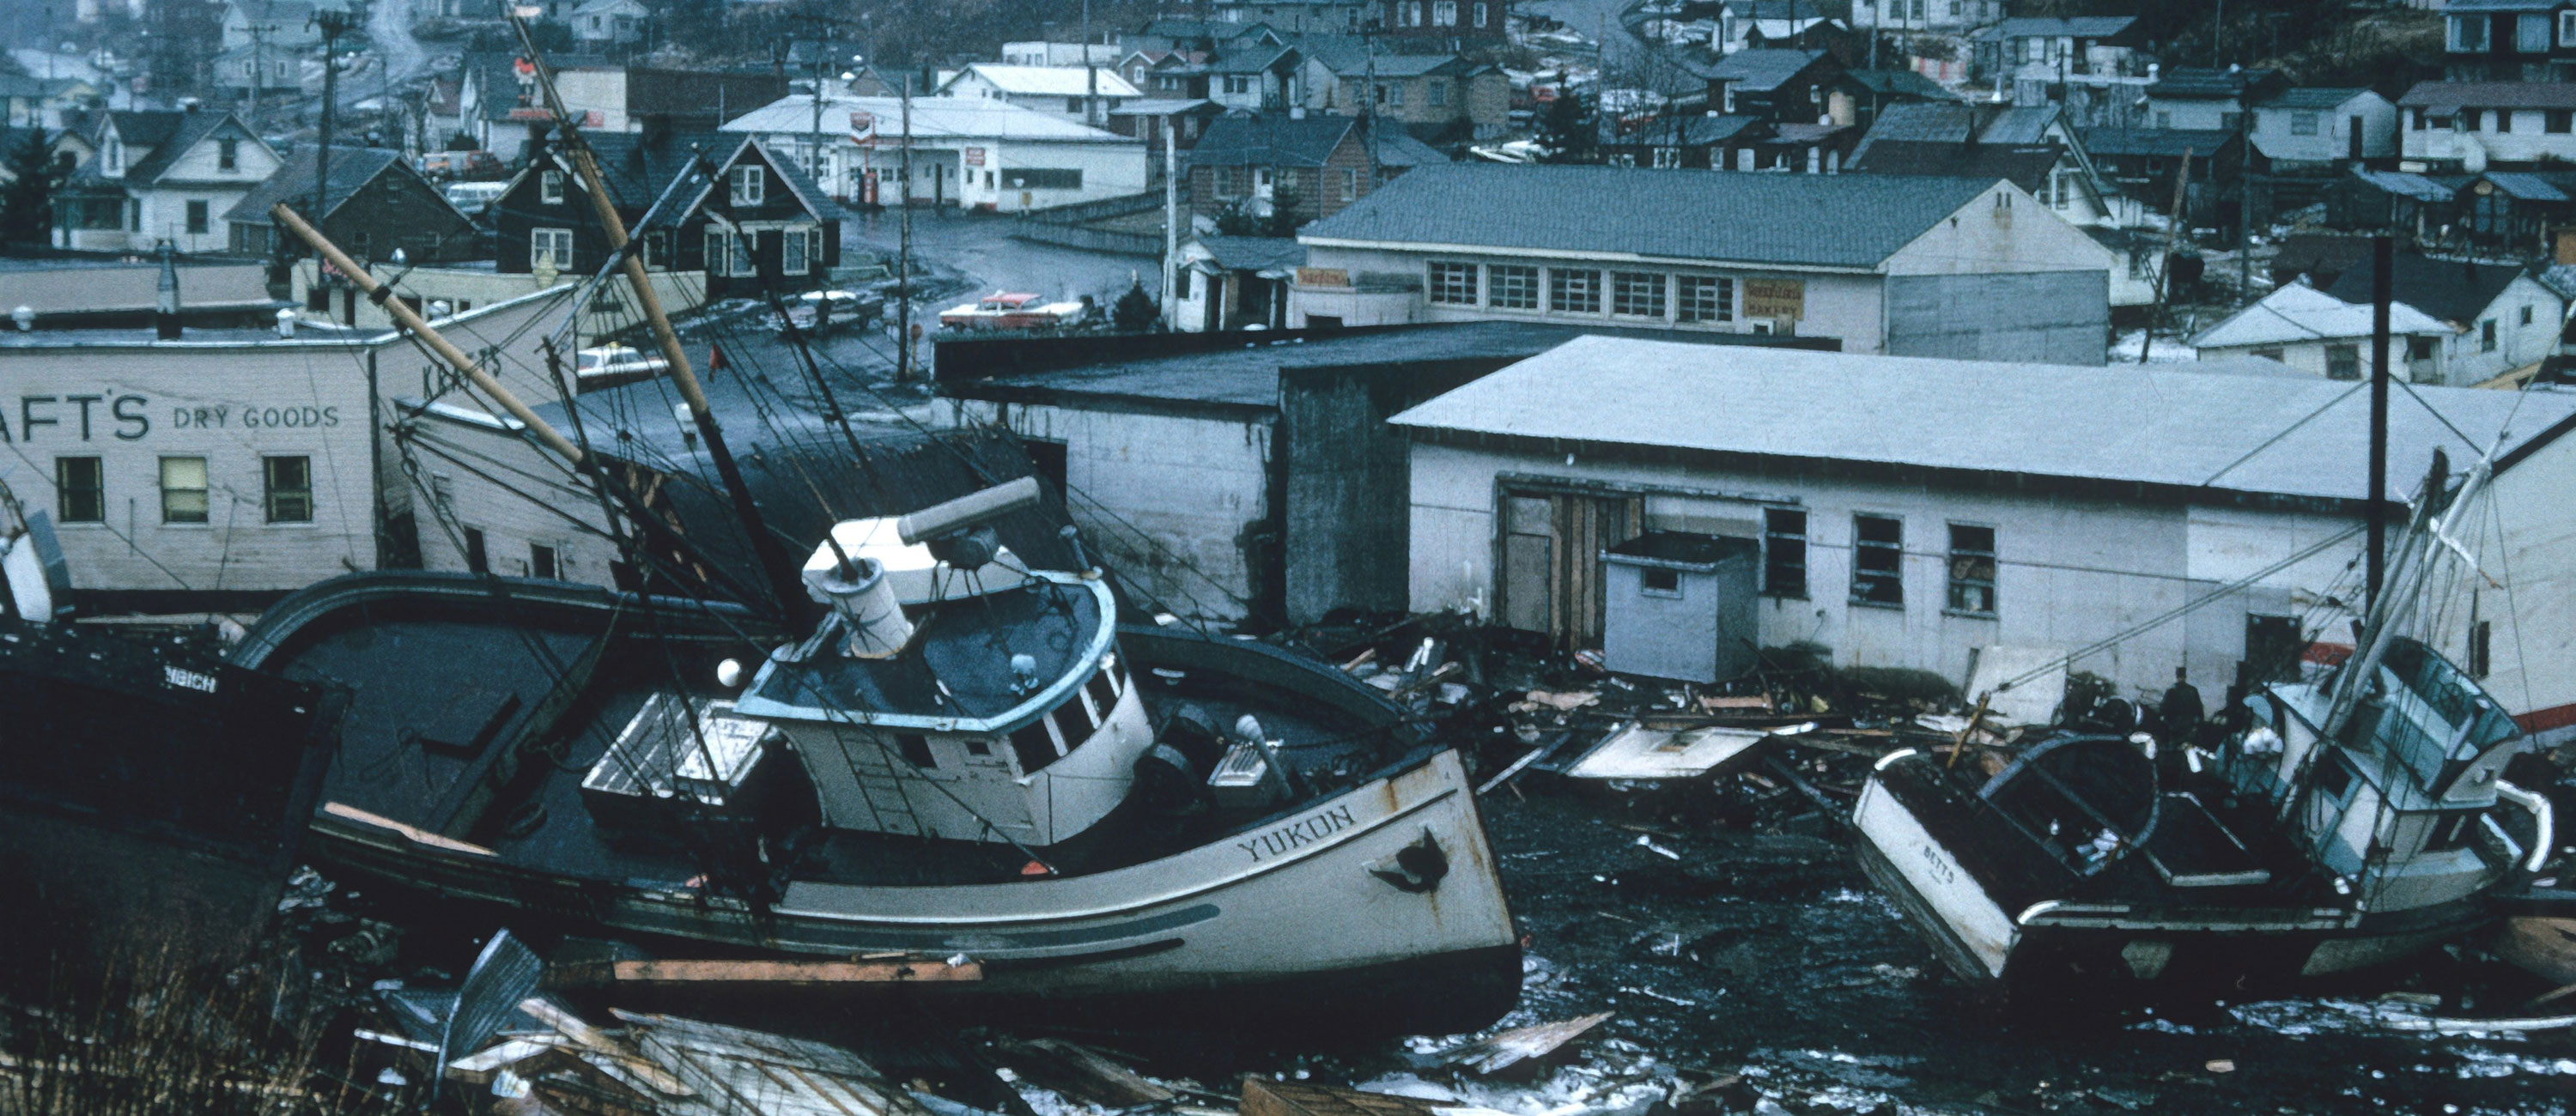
[[165, 306]]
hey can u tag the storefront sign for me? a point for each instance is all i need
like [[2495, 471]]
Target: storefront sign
[[129, 418], [1775, 299], [974, 156], [1323, 277]]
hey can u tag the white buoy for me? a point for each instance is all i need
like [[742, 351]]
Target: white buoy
[[729, 673]]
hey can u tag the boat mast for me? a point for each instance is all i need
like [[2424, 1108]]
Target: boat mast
[[765, 549], [2377, 512]]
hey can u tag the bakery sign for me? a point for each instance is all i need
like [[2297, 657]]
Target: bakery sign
[[1775, 299]]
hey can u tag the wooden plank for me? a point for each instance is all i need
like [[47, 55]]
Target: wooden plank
[[703, 974], [415, 833], [1265, 1097], [1079, 1072]]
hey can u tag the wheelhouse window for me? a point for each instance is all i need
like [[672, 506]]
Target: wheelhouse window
[[286, 489], [1573, 292], [1784, 552], [1513, 287], [183, 490], [1878, 560], [1453, 283], [1972, 569], [80, 490]]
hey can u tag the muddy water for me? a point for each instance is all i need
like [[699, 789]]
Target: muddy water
[[1767, 954]]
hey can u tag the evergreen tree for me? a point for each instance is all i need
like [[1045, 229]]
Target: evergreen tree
[[27, 202], [1570, 129], [1134, 312]]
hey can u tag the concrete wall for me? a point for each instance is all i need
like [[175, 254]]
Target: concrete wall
[[1179, 505], [229, 403], [2071, 571], [2047, 317]]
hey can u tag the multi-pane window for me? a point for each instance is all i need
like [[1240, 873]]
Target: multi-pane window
[[1668, 158], [228, 154], [199, 216], [1573, 292], [2303, 123], [80, 490], [1972, 569], [1453, 283], [749, 185], [1637, 294], [1704, 298], [719, 249], [2343, 362], [287, 488], [2531, 34], [1784, 552], [1512, 287], [550, 187], [183, 490], [1350, 184], [1878, 560], [550, 246], [792, 246]]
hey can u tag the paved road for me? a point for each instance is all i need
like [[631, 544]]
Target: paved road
[[973, 254]]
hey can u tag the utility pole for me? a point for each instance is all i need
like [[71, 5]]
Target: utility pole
[[333, 22], [2245, 191], [258, 65], [814, 142], [1090, 73], [903, 252], [1171, 225]]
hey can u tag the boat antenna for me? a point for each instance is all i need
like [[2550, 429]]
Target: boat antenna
[[765, 549]]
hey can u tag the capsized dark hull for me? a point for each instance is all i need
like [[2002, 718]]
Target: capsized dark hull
[[152, 797], [1310, 905]]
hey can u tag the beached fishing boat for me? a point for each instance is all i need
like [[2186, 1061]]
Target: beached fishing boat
[[2347, 822], [966, 759]]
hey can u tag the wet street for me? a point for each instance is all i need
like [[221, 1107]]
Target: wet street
[[972, 254]]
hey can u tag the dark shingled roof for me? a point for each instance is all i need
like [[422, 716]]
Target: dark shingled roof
[[1681, 131], [2205, 83], [1279, 140], [2446, 95], [1759, 70], [2155, 141], [1834, 220], [2451, 290], [1899, 82], [2317, 97], [184, 134], [2026, 165], [2077, 27], [1254, 253], [351, 168], [144, 127]]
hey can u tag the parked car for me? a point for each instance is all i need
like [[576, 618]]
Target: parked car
[[1014, 310], [816, 313], [460, 164], [607, 366], [471, 197]]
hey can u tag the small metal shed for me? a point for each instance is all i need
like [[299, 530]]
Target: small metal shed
[[1680, 606]]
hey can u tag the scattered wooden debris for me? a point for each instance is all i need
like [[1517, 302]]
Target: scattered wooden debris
[[1521, 1046], [1633, 751], [1265, 1097], [709, 975], [1078, 1072]]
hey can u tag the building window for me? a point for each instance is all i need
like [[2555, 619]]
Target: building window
[[550, 187], [1660, 581], [2303, 123], [1573, 292], [1238, 83], [748, 185], [2268, 354], [2531, 34], [741, 260], [1436, 94], [477, 559], [1784, 552], [2504, 120], [1074, 104], [1444, 13], [2487, 336], [1350, 184], [2343, 362], [2469, 119], [1878, 560], [550, 247], [1395, 96], [816, 253], [2567, 28], [287, 488], [1515, 287], [1972, 569], [2164, 119], [1453, 283], [197, 216], [80, 490], [1637, 294], [1480, 15], [2526, 315], [719, 250], [2559, 121], [541, 561], [1668, 158], [228, 154], [792, 245], [1704, 298], [2469, 33], [183, 490]]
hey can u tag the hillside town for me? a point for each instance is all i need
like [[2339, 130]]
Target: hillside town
[[1288, 557]]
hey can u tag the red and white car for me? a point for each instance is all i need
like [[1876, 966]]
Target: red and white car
[[1013, 310]]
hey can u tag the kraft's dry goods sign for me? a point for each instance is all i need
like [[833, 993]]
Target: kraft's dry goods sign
[[131, 418]]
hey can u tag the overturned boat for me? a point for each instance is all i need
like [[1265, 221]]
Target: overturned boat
[[967, 759], [2345, 823]]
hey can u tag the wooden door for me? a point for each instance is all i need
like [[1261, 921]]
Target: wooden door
[[2352, 139], [1552, 576]]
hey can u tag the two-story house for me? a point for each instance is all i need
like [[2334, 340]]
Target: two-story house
[[1780, 86], [603, 24], [1313, 164], [2208, 99], [162, 175], [254, 70], [2097, 66], [1297, 17], [2323, 129], [1434, 95], [376, 204], [1456, 22], [1083, 95], [754, 224], [2509, 40], [1256, 77], [2474, 125], [1947, 17]]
